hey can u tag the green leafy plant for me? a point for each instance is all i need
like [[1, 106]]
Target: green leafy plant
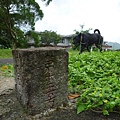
[[7, 70], [96, 77]]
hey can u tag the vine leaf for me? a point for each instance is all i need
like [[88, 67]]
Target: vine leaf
[[81, 107]]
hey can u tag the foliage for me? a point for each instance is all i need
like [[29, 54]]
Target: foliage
[[5, 53], [21, 41], [35, 36], [7, 70], [96, 77], [82, 30], [17, 14], [47, 1], [48, 37]]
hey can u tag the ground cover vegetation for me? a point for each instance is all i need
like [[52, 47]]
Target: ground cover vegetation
[[7, 70], [96, 78]]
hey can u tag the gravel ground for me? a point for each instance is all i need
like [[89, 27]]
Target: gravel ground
[[6, 61]]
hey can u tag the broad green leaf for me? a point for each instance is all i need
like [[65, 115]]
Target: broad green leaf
[[105, 112], [81, 107]]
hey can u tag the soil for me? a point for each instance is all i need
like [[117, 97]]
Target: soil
[[10, 109], [6, 84]]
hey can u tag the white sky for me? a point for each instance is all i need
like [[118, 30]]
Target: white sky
[[64, 16]]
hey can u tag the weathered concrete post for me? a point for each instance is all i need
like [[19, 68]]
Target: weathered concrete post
[[41, 76]]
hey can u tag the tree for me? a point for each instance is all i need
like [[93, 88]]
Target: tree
[[35, 36], [17, 14], [82, 31], [47, 1], [48, 37]]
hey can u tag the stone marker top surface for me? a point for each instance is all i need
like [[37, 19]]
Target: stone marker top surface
[[42, 49]]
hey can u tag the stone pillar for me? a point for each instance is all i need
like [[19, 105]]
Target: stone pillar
[[41, 76]]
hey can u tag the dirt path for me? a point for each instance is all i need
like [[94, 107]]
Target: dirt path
[[6, 61], [10, 108], [6, 84]]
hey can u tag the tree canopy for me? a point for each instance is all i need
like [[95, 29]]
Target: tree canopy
[[49, 37], [82, 30], [45, 38], [15, 16]]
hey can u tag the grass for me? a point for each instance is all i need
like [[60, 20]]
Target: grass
[[6, 53]]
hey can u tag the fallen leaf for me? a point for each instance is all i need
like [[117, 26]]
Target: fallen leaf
[[73, 96]]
